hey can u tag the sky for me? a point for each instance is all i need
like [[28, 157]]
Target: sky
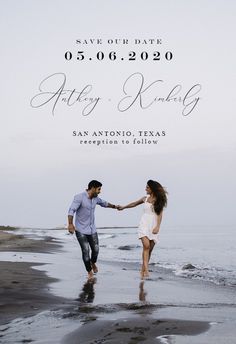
[[43, 165]]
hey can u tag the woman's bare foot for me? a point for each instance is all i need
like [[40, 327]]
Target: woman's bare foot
[[145, 273], [90, 274], [95, 268]]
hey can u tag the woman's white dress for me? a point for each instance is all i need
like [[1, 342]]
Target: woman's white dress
[[148, 222]]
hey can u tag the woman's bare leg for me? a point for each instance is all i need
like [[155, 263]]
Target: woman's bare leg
[[152, 244], [145, 256]]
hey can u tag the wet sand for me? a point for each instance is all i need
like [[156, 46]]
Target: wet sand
[[24, 291], [135, 330], [114, 307]]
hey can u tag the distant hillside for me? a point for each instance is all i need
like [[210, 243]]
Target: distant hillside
[[7, 228]]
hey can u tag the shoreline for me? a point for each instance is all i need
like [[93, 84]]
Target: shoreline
[[115, 307], [24, 290]]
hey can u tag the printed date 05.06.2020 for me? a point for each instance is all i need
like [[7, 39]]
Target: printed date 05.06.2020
[[114, 56]]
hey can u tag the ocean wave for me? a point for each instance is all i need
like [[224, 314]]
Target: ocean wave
[[106, 236], [216, 275]]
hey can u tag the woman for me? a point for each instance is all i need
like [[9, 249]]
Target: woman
[[150, 222]]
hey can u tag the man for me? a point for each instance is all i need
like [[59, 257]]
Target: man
[[83, 206]]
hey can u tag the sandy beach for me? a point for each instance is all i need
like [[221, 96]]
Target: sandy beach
[[46, 298], [24, 291]]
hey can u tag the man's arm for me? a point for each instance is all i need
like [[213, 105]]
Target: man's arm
[[113, 206], [106, 204], [74, 206], [71, 227]]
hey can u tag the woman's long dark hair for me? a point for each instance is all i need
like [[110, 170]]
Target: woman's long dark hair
[[160, 194]]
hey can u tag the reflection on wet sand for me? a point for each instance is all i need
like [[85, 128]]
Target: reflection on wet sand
[[108, 323], [87, 294], [142, 292]]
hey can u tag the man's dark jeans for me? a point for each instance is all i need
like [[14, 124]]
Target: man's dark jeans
[[86, 242]]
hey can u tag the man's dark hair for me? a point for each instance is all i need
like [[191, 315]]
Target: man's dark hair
[[94, 184]]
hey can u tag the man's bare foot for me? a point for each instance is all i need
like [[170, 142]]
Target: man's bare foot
[[95, 268], [90, 274]]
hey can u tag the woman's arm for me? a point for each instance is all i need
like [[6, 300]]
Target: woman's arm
[[132, 204], [157, 228]]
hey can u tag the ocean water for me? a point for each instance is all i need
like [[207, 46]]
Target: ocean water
[[210, 250]]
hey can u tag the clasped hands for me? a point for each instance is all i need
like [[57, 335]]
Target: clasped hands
[[119, 207]]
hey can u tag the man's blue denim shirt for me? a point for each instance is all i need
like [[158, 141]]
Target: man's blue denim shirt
[[84, 208]]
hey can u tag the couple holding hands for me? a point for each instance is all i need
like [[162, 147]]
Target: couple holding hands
[[83, 206]]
